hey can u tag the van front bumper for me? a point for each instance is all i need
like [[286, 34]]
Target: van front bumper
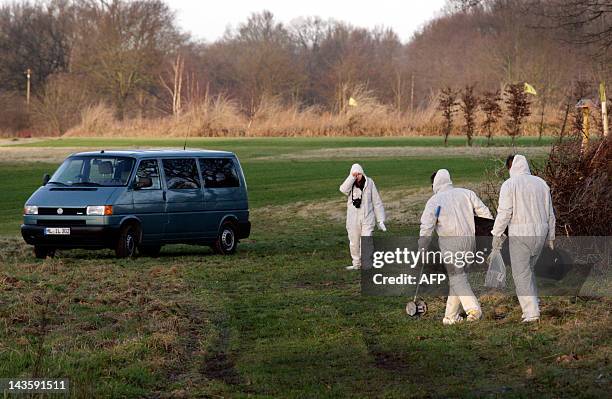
[[80, 236]]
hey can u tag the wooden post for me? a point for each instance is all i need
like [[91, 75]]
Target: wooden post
[[28, 75], [604, 108], [585, 105]]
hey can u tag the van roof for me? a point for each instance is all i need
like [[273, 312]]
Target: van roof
[[156, 153]]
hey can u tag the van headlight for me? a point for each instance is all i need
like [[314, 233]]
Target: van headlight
[[30, 210], [99, 210]]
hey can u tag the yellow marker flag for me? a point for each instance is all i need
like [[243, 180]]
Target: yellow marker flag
[[529, 89], [352, 102], [602, 92]]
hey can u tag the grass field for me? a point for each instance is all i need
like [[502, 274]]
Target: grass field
[[282, 317]]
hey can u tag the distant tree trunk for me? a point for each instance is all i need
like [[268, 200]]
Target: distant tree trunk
[[175, 90], [541, 129], [562, 131]]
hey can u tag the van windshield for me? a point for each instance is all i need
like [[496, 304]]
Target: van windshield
[[94, 171]]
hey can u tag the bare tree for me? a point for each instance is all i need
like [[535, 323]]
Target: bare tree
[[468, 105], [492, 111], [56, 108], [120, 43], [586, 22], [447, 104], [175, 86], [518, 108], [35, 36]]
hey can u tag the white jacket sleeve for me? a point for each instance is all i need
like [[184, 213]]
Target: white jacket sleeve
[[345, 188], [480, 209], [504, 210], [428, 225], [552, 220], [379, 209], [428, 219]]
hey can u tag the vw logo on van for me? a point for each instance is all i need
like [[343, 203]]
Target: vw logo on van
[[60, 211]]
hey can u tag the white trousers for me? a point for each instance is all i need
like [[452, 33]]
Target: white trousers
[[354, 234], [524, 253], [460, 295]]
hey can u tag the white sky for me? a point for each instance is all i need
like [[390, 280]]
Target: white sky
[[208, 19]]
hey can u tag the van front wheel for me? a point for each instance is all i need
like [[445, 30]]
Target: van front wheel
[[43, 252], [226, 242], [127, 241]]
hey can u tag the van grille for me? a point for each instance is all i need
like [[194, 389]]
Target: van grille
[[65, 211], [60, 223]]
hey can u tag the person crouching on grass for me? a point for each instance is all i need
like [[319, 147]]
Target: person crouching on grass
[[364, 208], [450, 212]]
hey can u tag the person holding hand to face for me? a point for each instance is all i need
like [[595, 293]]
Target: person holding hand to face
[[364, 209]]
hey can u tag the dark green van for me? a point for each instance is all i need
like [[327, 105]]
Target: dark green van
[[137, 201]]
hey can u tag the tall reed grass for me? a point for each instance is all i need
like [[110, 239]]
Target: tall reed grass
[[222, 117]]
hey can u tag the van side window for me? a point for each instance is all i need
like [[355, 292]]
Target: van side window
[[219, 172], [148, 169], [181, 173]]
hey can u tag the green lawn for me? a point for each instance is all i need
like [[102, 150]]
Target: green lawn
[[260, 147], [280, 318]]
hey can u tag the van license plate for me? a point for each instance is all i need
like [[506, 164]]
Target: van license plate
[[57, 231]]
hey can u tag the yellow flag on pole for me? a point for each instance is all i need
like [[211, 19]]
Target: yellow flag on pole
[[529, 89], [352, 102]]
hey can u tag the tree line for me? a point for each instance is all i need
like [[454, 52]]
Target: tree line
[[133, 56]]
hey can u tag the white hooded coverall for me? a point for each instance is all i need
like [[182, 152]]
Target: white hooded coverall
[[455, 228], [525, 207], [361, 221]]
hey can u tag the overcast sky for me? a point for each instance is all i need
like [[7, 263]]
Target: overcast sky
[[208, 20]]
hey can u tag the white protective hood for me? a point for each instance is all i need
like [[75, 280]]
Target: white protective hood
[[525, 205], [457, 209], [520, 166], [442, 181], [356, 168]]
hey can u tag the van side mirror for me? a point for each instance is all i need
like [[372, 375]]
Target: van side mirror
[[46, 179], [143, 182]]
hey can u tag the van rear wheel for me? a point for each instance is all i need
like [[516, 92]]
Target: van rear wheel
[[43, 252], [227, 240], [127, 241]]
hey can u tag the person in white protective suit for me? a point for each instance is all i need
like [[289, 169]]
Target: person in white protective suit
[[525, 207], [450, 212], [364, 208]]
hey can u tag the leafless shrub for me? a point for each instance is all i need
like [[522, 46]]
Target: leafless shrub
[[447, 104], [518, 106], [580, 186], [468, 105], [13, 113], [489, 103], [57, 107]]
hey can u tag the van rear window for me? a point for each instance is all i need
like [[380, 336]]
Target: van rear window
[[219, 172]]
